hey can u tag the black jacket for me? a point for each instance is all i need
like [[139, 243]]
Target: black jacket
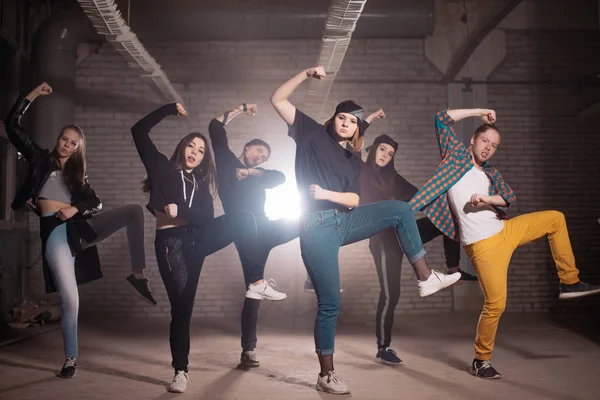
[[83, 197], [41, 166]]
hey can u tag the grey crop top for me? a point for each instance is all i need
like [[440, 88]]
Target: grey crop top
[[55, 188]]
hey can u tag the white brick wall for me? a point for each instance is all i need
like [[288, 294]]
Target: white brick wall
[[546, 155]]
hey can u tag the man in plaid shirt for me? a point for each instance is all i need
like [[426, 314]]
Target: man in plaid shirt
[[467, 200]]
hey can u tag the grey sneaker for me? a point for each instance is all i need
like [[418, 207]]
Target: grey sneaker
[[69, 369], [248, 359], [332, 383]]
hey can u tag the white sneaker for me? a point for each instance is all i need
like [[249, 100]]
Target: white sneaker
[[264, 291], [180, 381], [332, 383], [436, 282]]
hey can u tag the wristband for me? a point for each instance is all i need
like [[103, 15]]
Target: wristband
[[245, 106]]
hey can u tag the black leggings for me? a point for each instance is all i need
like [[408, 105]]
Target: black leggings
[[388, 256], [270, 234], [180, 253]]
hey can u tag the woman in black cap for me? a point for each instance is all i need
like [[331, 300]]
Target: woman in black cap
[[380, 182], [328, 178]]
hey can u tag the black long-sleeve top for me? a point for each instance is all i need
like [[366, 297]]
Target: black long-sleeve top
[[248, 194], [165, 180]]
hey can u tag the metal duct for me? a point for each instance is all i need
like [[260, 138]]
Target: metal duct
[[272, 19], [107, 20], [339, 26], [54, 60]]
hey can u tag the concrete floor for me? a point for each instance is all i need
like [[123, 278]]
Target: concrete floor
[[540, 356]]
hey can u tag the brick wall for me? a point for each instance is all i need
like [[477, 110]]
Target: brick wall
[[537, 121]]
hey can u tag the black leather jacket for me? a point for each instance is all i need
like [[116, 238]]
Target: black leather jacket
[[41, 165]]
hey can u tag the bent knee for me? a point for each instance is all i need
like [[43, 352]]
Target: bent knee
[[495, 307]]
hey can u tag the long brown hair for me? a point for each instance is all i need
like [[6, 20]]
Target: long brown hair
[[205, 172], [75, 168]]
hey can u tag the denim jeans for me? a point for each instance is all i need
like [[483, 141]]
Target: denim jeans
[[62, 263], [322, 233]]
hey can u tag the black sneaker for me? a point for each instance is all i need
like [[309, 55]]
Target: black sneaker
[[466, 277], [69, 370], [484, 369], [248, 359], [579, 289], [142, 287], [386, 355]]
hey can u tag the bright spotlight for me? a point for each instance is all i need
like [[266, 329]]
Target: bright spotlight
[[283, 202]]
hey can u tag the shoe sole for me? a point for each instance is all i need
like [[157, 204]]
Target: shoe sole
[[258, 296], [135, 291], [313, 290], [320, 389], [429, 293], [382, 361], [244, 365], [176, 390], [472, 372], [574, 295], [66, 377]]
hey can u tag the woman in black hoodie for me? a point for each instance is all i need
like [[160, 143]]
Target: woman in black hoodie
[[181, 191], [379, 182]]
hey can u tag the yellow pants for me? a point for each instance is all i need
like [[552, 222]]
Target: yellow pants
[[491, 257]]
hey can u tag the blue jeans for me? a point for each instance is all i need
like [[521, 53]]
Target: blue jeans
[[62, 263], [322, 234]]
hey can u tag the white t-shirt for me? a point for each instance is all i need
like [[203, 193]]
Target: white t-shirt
[[475, 223]]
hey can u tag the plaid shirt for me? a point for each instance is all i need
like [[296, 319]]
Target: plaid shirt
[[456, 162]]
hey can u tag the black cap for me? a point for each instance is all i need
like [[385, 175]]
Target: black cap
[[350, 107], [384, 139]]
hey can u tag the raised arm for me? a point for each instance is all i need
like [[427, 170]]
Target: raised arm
[[444, 120], [487, 116], [144, 145], [379, 114], [227, 116], [218, 134], [15, 132], [279, 99]]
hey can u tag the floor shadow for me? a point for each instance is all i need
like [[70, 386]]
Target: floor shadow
[[29, 384], [445, 385], [586, 325], [452, 361], [9, 363], [537, 391], [525, 353], [219, 388], [102, 369]]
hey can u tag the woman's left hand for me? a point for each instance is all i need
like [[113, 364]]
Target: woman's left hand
[[66, 213], [317, 192], [171, 210]]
